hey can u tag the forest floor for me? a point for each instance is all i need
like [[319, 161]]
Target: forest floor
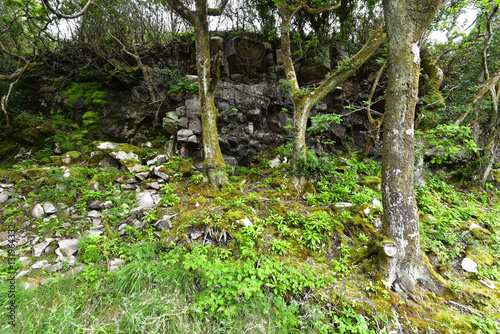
[[107, 250]]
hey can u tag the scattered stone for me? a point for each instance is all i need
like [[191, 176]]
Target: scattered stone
[[473, 226], [158, 160], [469, 265], [106, 205], [93, 232], [142, 176], [158, 172], [55, 267], [38, 249], [341, 206], [95, 205], [153, 185], [196, 234], [23, 273], [164, 223], [49, 208], [3, 198], [245, 221], [275, 162], [39, 264], [37, 211], [145, 201], [27, 286], [94, 214], [69, 246], [376, 203]]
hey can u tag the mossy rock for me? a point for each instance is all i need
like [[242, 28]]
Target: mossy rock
[[34, 173], [125, 154], [184, 166], [234, 215], [67, 159], [372, 182], [480, 255], [481, 234]]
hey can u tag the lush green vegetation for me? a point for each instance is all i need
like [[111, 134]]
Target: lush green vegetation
[[301, 265]]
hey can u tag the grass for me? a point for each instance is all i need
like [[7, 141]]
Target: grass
[[296, 269]]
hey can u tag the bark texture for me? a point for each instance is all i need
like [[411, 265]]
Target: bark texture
[[400, 258], [208, 77]]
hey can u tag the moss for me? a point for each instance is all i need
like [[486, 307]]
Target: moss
[[480, 255]]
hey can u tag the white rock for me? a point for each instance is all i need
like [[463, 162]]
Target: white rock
[[342, 205], [39, 264], [245, 221], [69, 246], [107, 146], [27, 286], [94, 214], [116, 262], [367, 210], [473, 226], [37, 211], [49, 208], [275, 162], [93, 232], [146, 201], [122, 155], [38, 249], [106, 205], [376, 202], [469, 265]]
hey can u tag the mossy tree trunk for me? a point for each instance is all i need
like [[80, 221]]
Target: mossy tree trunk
[[208, 77], [305, 99], [400, 257]]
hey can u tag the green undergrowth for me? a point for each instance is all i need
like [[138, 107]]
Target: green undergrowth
[[258, 256]]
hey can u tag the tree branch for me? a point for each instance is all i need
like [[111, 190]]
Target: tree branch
[[183, 11], [64, 16], [217, 11]]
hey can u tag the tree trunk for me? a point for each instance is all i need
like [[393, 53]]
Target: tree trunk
[[207, 82], [400, 257]]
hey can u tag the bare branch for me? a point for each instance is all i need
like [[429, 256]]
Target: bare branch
[[64, 16], [315, 11]]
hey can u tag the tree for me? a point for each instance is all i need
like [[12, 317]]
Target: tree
[[400, 258], [208, 78], [22, 24], [305, 99]]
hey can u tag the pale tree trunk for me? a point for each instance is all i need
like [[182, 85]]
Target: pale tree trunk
[[400, 258], [304, 101], [208, 78]]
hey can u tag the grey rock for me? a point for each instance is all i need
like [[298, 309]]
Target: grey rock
[[3, 198], [94, 214], [170, 122], [142, 176], [95, 205], [107, 205], [69, 246], [196, 234], [39, 264], [55, 267], [37, 211], [145, 201], [158, 160], [23, 273], [39, 248], [184, 135]]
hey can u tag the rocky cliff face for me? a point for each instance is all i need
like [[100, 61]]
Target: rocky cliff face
[[255, 111]]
